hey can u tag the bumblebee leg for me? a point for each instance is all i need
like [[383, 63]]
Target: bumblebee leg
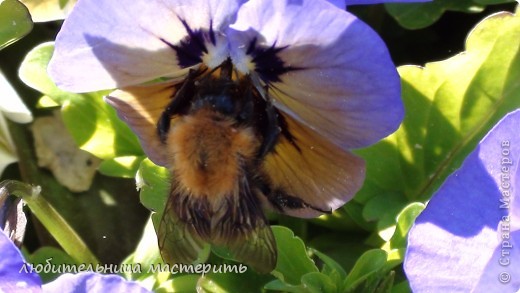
[[283, 201], [280, 200], [179, 102], [272, 131], [247, 112]]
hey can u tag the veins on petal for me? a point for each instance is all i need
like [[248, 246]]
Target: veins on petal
[[267, 63], [192, 47]]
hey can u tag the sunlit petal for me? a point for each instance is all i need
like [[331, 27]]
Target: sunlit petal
[[111, 44], [466, 237], [313, 169], [326, 68], [501, 271]]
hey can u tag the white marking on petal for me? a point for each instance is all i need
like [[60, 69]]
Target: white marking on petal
[[216, 53], [243, 63], [21, 284]]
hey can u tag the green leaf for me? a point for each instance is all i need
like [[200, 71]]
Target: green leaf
[[54, 258], [246, 281], [420, 15], [154, 182], [15, 22], [401, 287], [186, 283], [450, 105], [405, 221], [92, 123], [370, 263], [278, 285], [33, 72], [311, 283], [46, 102], [344, 248], [490, 2], [125, 167], [96, 128], [318, 283], [396, 246], [146, 254], [293, 261], [330, 264], [385, 284], [347, 218], [382, 208]]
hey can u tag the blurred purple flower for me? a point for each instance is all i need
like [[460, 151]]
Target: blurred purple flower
[[468, 237], [14, 278]]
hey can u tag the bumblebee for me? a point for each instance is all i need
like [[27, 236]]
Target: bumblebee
[[231, 155]]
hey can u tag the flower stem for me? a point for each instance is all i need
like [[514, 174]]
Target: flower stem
[[69, 240]]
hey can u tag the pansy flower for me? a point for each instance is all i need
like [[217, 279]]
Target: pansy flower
[[328, 74], [468, 237], [16, 276]]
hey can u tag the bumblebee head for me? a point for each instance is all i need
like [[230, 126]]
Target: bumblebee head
[[217, 95]]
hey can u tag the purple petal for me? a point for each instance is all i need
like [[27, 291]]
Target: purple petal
[[502, 270], [455, 243], [92, 283], [108, 44], [326, 68], [342, 4], [13, 276]]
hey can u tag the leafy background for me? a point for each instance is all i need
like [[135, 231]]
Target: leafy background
[[459, 63]]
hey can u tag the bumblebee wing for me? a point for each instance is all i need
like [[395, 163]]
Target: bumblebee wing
[[243, 229], [307, 169], [140, 107], [178, 240], [257, 249]]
